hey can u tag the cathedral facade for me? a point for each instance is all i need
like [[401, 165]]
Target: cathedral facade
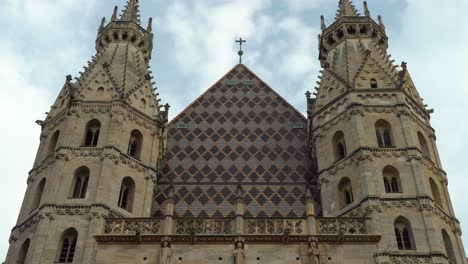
[[239, 176]]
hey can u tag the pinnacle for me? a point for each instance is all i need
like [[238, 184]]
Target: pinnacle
[[131, 12], [346, 8]]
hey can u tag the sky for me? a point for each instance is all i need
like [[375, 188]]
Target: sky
[[44, 40]]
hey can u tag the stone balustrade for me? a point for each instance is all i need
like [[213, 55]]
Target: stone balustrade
[[345, 226], [204, 226], [275, 226], [131, 226]]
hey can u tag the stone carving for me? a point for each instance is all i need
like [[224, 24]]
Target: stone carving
[[275, 226], [204, 226], [333, 226], [125, 226], [304, 253], [239, 253], [166, 252]]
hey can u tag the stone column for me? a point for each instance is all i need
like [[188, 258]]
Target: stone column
[[240, 210], [310, 212], [169, 214]]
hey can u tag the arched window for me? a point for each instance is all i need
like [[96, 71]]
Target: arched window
[[23, 253], [81, 183], [135, 143], [100, 91], [435, 192], [383, 131], [92, 133], [68, 246], [38, 195], [373, 83], [449, 247], [423, 144], [391, 180], [404, 234], [339, 145], [345, 192], [53, 142], [143, 103], [127, 191]]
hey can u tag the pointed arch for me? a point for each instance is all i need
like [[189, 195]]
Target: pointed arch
[[404, 234], [23, 253], [80, 185], [449, 247], [435, 192], [127, 193], [392, 181], [53, 142], [143, 103], [339, 145], [423, 144], [92, 133], [373, 83], [38, 194], [135, 144], [68, 245], [345, 192], [383, 131]]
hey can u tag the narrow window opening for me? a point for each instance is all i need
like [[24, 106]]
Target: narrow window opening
[[127, 191], [339, 145], [81, 183], [135, 144], [92, 133], [391, 180], [384, 135], [424, 146], [68, 246], [345, 191], [53, 142], [403, 234], [23, 254], [38, 194], [373, 83]]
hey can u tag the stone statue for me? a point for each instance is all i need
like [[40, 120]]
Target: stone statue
[[166, 253], [315, 253], [304, 253], [239, 253]]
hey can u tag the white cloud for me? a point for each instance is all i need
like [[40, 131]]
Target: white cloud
[[21, 103]]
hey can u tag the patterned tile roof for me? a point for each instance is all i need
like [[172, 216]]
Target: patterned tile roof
[[240, 131]]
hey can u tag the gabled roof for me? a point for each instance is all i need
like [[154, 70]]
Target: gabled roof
[[239, 132]]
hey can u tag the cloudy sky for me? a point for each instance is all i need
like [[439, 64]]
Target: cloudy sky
[[44, 40]]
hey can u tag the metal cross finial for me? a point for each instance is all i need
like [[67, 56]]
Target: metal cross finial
[[240, 41]]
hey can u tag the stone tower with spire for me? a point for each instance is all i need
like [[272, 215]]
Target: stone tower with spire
[[375, 148], [240, 176], [99, 151]]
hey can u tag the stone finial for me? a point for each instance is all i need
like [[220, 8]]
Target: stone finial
[[308, 94], [404, 65], [166, 107], [68, 79], [114, 14], [150, 25], [322, 23], [103, 23], [381, 24], [366, 9]]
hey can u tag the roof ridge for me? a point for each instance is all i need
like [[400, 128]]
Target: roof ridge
[[176, 118]]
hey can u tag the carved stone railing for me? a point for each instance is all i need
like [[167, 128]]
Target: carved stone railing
[[131, 226], [204, 226], [275, 226], [345, 226]]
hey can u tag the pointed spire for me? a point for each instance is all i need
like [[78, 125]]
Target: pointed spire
[[366, 9], [131, 12], [346, 8], [103, 23], [150, 25], [381, 24], [322, 23], [114, 14]]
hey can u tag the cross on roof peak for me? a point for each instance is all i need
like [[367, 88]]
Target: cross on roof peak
[[240, 53]]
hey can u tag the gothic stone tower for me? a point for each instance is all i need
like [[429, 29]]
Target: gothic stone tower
[[99, 150], [375, 148]]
